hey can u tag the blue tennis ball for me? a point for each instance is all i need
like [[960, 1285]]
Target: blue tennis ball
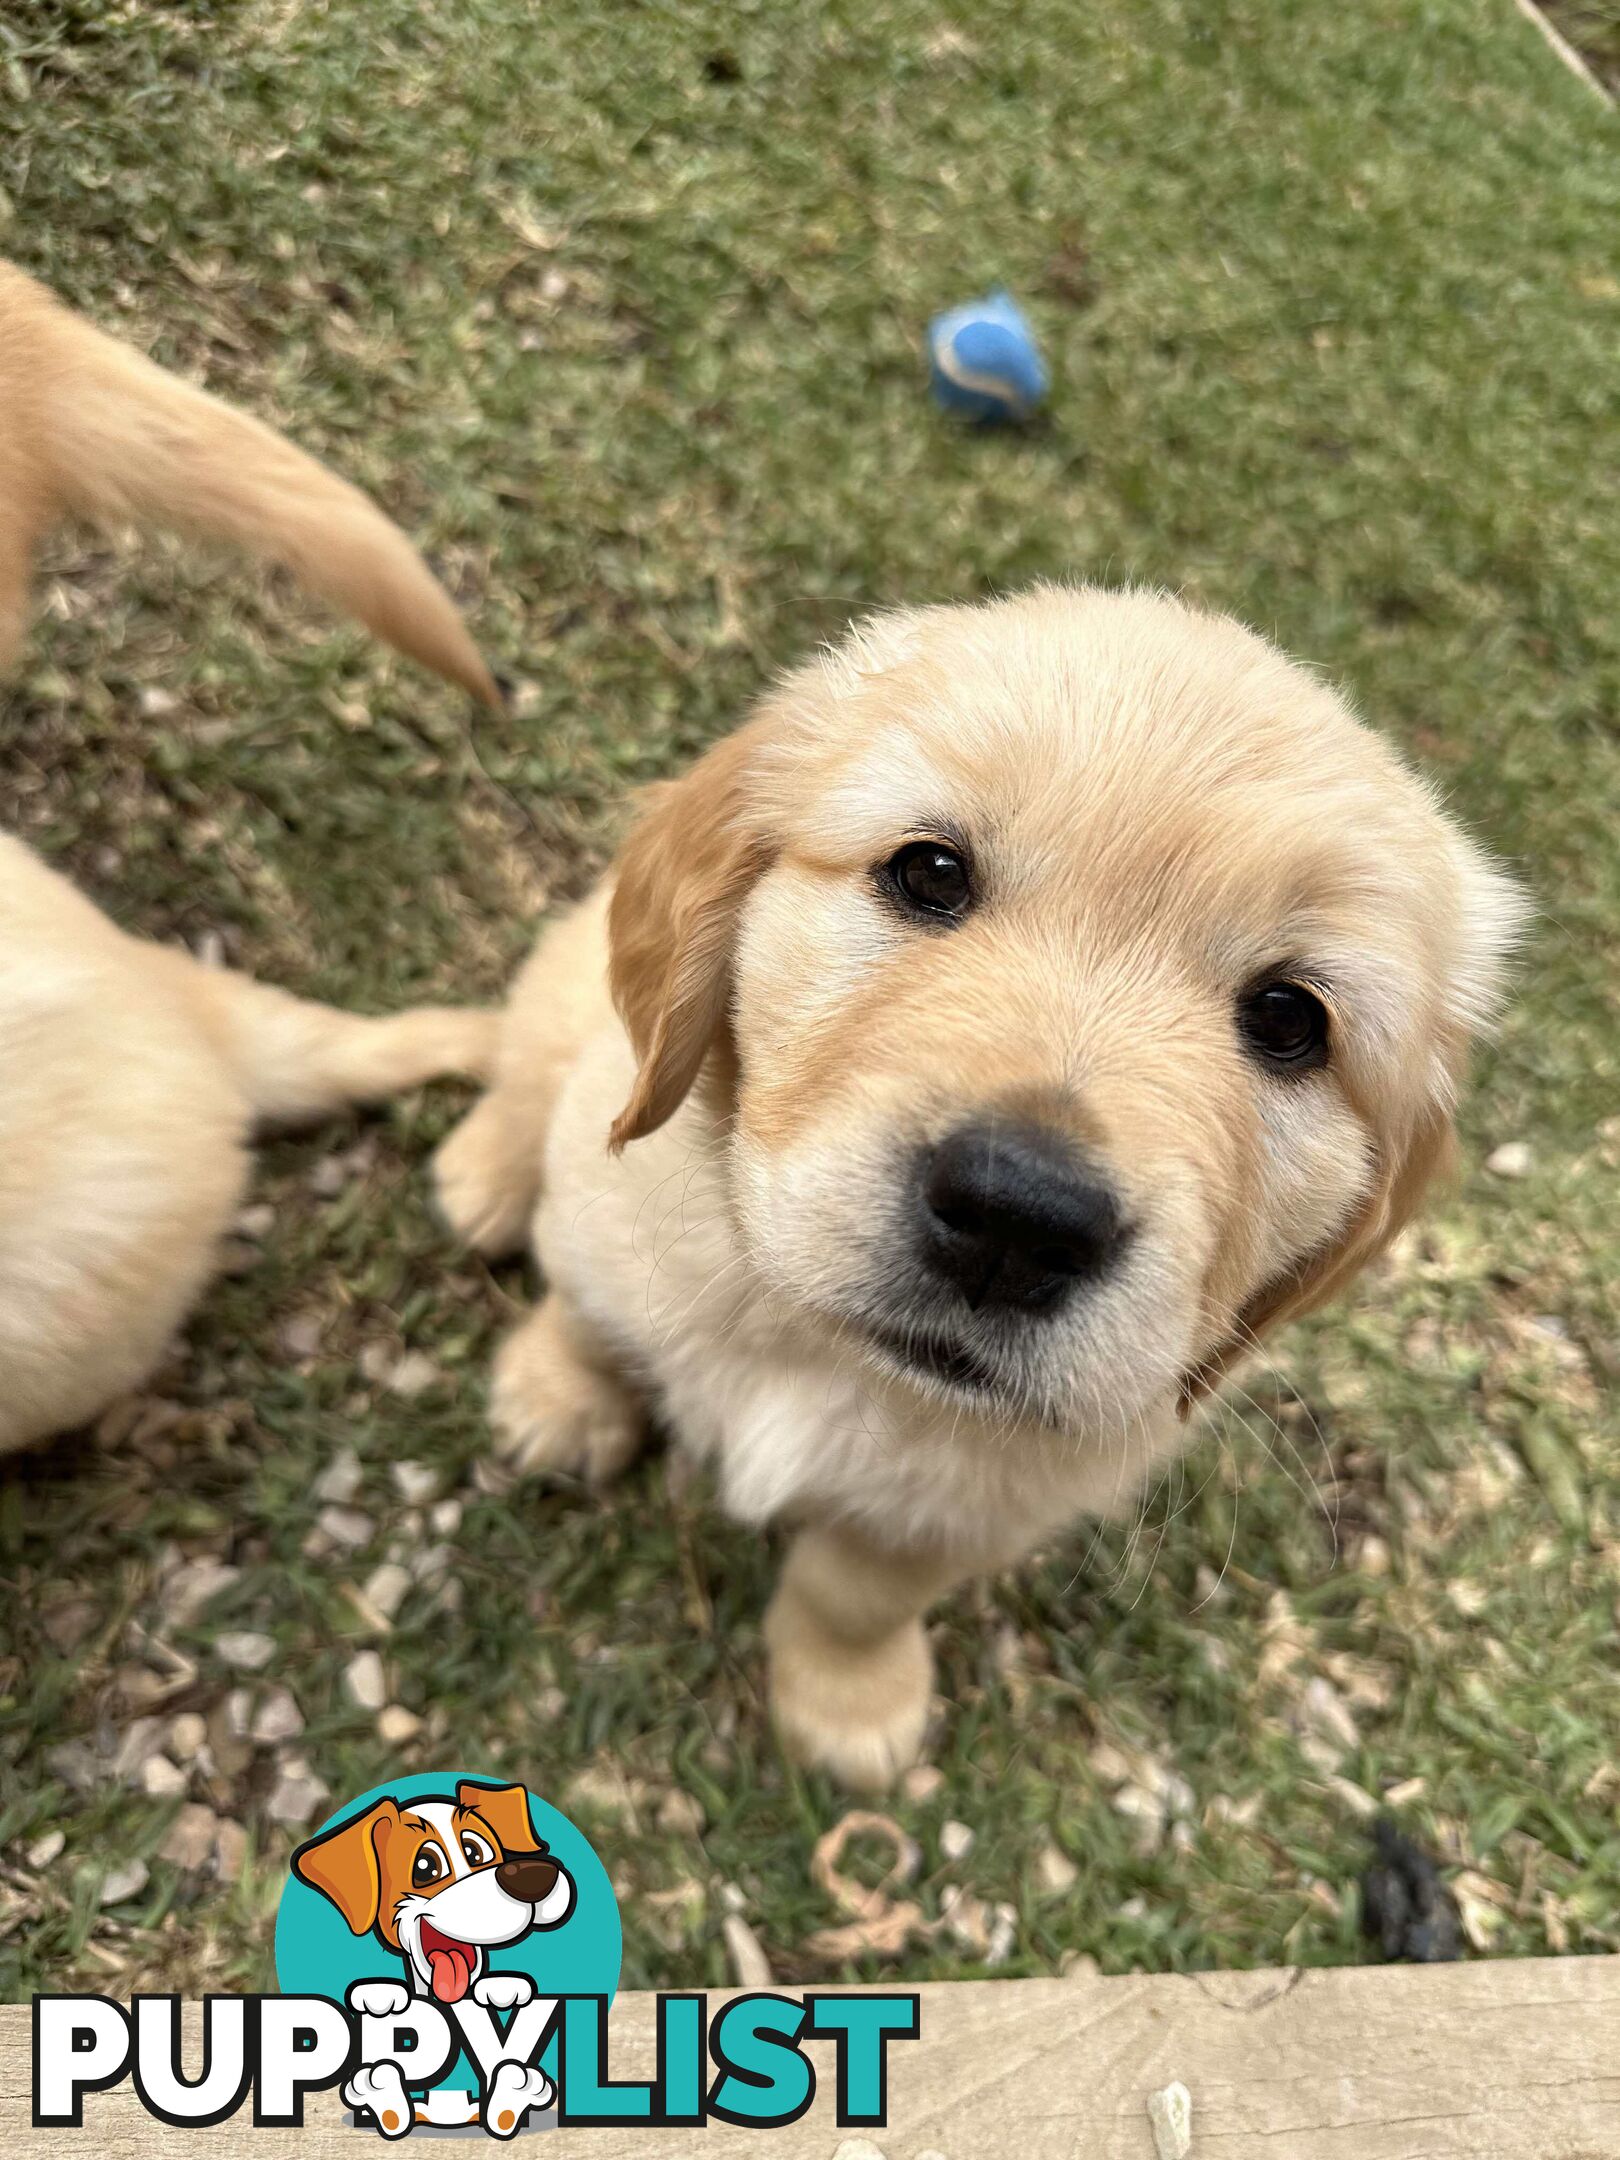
[[983, 361]]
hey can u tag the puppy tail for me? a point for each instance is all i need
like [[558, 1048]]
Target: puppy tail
[[125, 440], [299, 1061]]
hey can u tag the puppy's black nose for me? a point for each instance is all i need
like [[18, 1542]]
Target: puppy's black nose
[[529, 1877], [1014, 1218]]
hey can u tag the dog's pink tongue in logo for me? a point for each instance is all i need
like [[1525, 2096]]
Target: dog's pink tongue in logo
[[450, 1964]]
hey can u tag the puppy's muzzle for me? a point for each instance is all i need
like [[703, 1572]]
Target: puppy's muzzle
[[528, 1877], [1013, 1218]]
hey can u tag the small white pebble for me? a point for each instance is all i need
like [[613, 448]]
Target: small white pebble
[[190, 1587], [340, 1480], [46, 1849], [1372, 1556], [1055, 1871], [413, 1375], [923, 1782], [187, 1733], [346, 1526], [246, 1650], [124, 1883], [416, 1483], [432, 1562], [192, 1835], [277, 1718], [365, 1682], [397, 1725], [301, 1336], [142, 1738], [1513, 1159], [1170, 2113], [956, 1840], [161, 1778], [386, 1588], [446, 1518], [297, 1797]]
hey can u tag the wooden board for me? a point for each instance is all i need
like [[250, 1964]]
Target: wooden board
[[1508, 2061]]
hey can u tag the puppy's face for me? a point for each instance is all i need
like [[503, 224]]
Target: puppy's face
[[441, 1881], [1093, 987]]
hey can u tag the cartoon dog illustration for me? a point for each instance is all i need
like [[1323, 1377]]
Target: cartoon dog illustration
[[440, 1882]]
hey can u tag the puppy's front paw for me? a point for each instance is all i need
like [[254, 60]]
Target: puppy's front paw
[[379, 2089], [551, 1412], [513, 2090], [858, 1713], [483, 1195], [379, 1998], [503, 1991]]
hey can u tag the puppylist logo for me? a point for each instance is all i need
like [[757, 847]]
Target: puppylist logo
[[447, 1949]]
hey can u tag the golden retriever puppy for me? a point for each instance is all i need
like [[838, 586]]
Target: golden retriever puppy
[[130, 1076], [130, 1080], [963, 1064], [88, 428]]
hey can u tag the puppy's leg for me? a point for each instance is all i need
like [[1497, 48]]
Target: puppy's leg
[[555, 1404], [487, 1174], [850, 1668]]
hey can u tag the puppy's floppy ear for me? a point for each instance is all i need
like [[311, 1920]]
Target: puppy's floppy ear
[[506, 1810], [343, 1865], [1390, 1205], [1487, 915], [679, 889]]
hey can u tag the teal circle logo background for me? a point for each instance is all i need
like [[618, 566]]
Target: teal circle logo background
[[317, 1955]]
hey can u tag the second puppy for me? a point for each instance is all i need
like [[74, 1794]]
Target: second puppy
[[131, 1077]]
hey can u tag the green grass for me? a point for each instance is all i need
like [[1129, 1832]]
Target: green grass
[[621, 315]]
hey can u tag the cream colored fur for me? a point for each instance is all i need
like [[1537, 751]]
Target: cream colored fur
[[90, 429], [1160, 808], [130, 1079]]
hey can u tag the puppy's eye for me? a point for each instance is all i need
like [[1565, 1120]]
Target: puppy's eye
[[1286, 1025], [474, 1850], [427, 1867], [929, 878]]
